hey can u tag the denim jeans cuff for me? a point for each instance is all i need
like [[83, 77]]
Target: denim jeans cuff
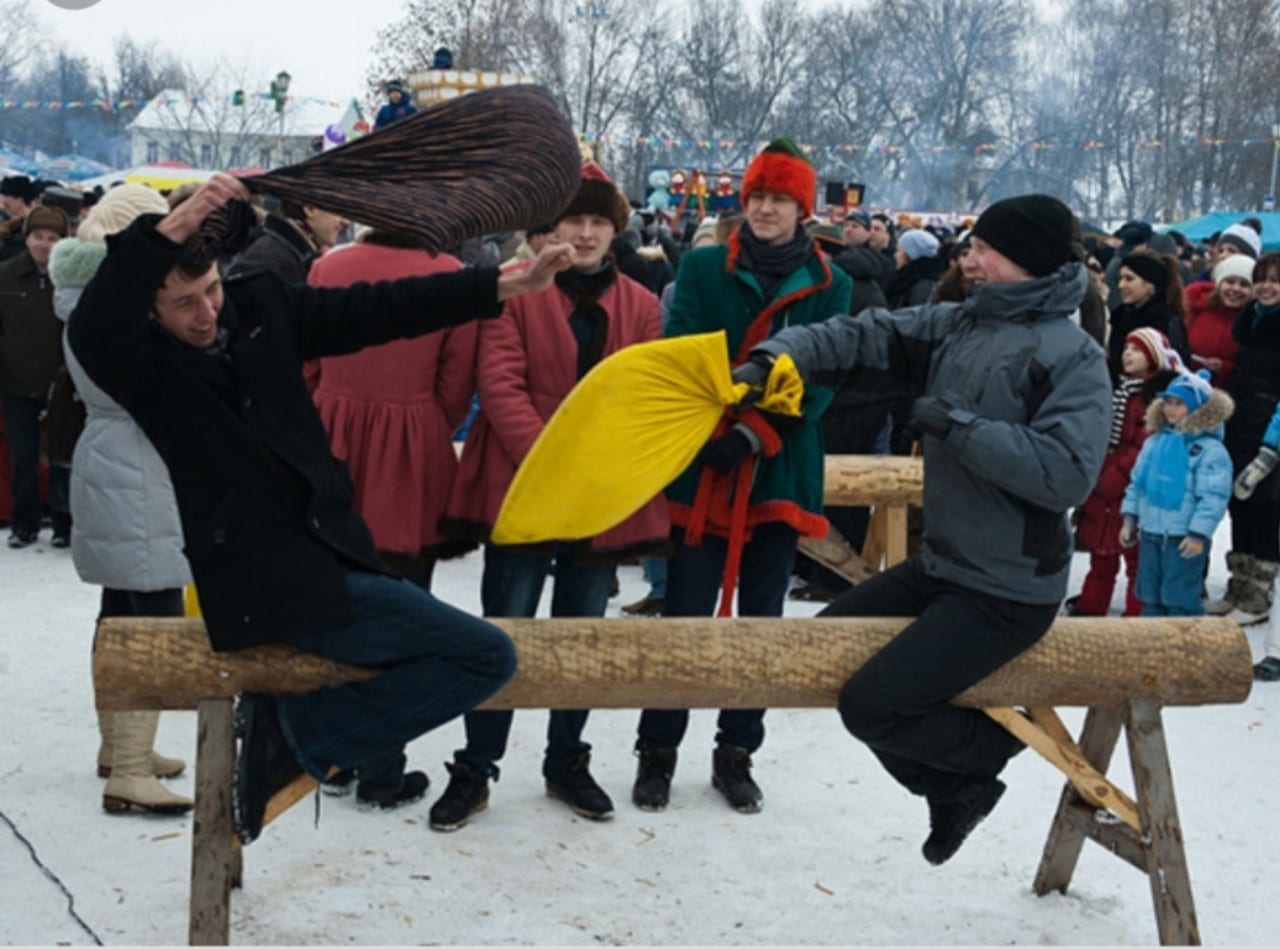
[[319, 772]]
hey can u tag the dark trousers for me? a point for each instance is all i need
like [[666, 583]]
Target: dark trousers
[[512, 586], [22, 428], [137, 603], [436, 663], [1255, 524], [694, 576], [899, 701]]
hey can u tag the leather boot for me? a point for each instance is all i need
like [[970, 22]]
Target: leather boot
[[132, 784], [161, 765]]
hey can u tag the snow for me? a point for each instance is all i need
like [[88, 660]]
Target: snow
[[833, 858]]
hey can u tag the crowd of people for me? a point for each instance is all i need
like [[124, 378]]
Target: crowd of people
[[275, 423]]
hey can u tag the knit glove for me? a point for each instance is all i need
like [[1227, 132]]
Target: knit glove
[[1129, 531], [725, 453], [755, 373], [1255, 472], [930, 416]]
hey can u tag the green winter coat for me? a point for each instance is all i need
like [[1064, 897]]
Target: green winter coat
[[713, 294]]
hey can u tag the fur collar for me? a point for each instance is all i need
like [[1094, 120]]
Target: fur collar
[[1213, 414]]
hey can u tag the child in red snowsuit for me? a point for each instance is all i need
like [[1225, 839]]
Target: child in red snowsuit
[[1147, 354]]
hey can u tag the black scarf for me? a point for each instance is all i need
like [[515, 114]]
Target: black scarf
[[772, 263], [588, 319]]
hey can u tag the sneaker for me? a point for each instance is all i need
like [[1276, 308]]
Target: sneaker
[[60, 541], [1071, 606], [579, 790], [413, 786], [652, 789], [649, 606], [264, 765], [953, 817], [1268, 670], [731, 776], [467, 794], [340, 784], [811, 593], [20, 538]]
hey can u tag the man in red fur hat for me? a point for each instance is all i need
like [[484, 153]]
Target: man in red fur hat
[[767, 276]]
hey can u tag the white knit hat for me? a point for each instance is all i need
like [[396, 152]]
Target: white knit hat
[[916, 243], [1237, 265], [1243, 237], [119, 208]]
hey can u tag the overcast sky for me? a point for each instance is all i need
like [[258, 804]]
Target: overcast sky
[[326, 47]]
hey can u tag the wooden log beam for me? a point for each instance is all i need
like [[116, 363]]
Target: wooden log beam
[[753, 662], [854, 480]]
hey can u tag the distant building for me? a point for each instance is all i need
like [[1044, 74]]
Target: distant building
[[218, 133]]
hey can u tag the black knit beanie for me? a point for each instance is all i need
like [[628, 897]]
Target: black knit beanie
[[1035, 231], [1150, 269]]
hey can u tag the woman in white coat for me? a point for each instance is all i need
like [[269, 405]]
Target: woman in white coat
[[128, 538]]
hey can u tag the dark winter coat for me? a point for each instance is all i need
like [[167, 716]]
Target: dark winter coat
[[870, 272], [1255, 387], [1030, 406], [30, 332], [1154, 313], [282, 248], [266, 509], [912, 285]]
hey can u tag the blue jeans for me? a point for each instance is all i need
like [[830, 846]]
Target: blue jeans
[[438, 662], [512, 586], [693, 587], [1169, 584], [655, 571]]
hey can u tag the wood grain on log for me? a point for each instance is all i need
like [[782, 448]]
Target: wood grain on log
[[156, 663]]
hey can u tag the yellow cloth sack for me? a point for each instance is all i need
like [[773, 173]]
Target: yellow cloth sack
[[624, 432]]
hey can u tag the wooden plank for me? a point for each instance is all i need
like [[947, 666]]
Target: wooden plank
[[287, 796], [1113, 836], [860, 480], [838, 555], [1092, 786], [873, 546], [895, 534], [1062, 849], [213, 864], [1166, 859]]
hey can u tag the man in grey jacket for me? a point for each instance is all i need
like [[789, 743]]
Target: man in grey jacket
[[1012, 399]]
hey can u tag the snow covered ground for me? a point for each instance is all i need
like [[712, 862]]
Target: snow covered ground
[[833, 858]]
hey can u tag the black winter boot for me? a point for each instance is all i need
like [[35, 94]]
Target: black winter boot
[[952, 817], [731, 776], [413, 785], [579, 790], [652, 790], [264, 766], [1268, 670], [467, 794]]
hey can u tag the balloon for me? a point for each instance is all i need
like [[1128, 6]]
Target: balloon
[[335, 134]]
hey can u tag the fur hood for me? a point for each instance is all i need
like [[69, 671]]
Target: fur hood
[[1209, 417]]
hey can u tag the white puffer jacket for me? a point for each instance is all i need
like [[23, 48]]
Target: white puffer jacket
[[127, 535]]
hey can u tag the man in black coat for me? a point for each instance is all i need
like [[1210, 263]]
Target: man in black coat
[[211, 372]]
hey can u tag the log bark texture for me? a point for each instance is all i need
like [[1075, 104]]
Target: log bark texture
[[754, 662], [852, 480]]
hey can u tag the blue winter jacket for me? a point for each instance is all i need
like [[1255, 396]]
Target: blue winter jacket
[[1209, 474]]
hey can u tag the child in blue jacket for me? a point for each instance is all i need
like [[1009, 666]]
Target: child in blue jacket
[[1178, 494]]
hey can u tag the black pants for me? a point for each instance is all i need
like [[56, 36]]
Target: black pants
[[136, 603], [1255, 523], [22, 428], [899, 701]]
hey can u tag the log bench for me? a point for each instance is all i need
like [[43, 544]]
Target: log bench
[[1123, 670]]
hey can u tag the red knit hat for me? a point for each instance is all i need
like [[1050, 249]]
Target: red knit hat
[[1155, 346], [782, 168], [598, 195]]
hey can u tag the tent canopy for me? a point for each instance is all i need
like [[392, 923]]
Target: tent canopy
[[1204, 227]]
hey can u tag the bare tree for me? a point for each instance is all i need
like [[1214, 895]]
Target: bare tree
[[22, 41]]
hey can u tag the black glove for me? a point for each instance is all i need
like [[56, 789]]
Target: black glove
[[929, 416], [784, 425], [754, 372], [725, 453]]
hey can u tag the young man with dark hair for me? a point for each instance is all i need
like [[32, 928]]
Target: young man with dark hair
[[211, 372]]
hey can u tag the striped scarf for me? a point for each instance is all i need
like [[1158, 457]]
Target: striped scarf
[[1119, 405]]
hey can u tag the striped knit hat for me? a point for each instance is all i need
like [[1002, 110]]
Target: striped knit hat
[[1155, 346]]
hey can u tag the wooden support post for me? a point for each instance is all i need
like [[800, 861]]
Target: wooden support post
[[1066, 838], [895, 534], [214, 861], [1166, 859]]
